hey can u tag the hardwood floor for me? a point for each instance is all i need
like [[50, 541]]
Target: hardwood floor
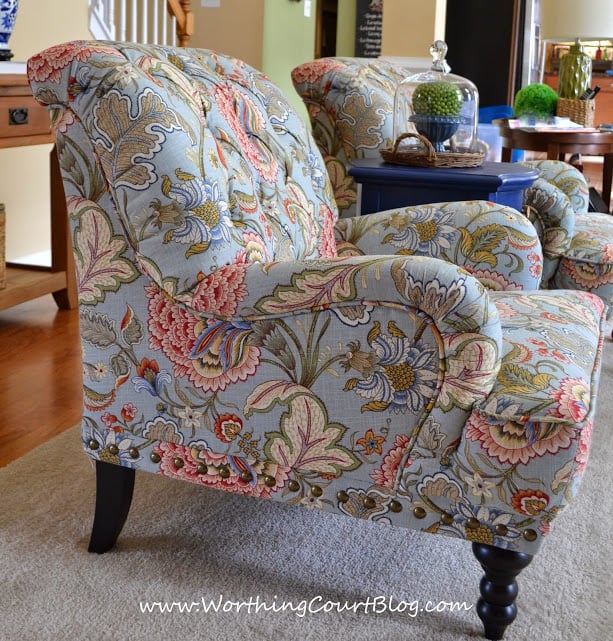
[[40, 364]]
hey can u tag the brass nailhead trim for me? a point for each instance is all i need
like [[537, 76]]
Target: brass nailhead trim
[[446, 519], [293, 486], [113, 449], [472, 523], [369, 502], [155, 457], [316, 491], [224, 472], [530, 535], [396, 506], [342, 496], [246, 476], [133, 452], [269, 481], [202, 468], [419, 512], [502, 530], [178, 463], [93, 445]]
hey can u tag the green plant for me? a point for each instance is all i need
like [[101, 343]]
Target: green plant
[[440, 98], [537, 100]]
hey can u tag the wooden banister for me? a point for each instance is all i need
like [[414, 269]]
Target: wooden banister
[[182, 11]]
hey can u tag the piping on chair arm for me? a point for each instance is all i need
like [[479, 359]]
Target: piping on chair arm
[[495, 243]]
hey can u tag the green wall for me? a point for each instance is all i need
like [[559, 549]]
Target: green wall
[[345, 30], [289, 40]]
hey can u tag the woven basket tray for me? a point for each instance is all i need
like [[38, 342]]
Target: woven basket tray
[[2, 247], [428, 157], [579, 111]]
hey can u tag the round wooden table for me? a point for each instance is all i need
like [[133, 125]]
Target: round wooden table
[[558, 143]]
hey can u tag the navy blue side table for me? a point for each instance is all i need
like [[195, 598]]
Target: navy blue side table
[[386, 186]]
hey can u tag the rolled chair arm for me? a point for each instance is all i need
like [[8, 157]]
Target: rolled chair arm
[[552, 214], [495, 243], [567, 178]]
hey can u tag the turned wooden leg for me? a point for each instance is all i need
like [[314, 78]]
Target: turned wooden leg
[[114, 488], [498, 587]]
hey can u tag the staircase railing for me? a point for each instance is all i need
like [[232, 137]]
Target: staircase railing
[[168, 22]]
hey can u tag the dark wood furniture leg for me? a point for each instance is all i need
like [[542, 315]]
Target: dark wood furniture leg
[[607, 179], [114, 488], [496, 607]]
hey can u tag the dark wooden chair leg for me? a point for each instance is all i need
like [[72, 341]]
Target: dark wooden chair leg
[[498, 587], [114, 488]]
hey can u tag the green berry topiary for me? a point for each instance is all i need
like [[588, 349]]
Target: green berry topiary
[[440, 98], [537, 100]]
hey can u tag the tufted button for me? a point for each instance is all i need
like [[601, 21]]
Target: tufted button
[[293, 486], [93, 444], [155, 457], [396, 506], [133, 452], [224, 472], [269, 481], [369, 503], [342, 496], [530, 535], [202, 468], [178, 463], [419, 512], [472, 523]]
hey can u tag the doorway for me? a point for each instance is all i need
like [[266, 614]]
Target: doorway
[[325, 28]]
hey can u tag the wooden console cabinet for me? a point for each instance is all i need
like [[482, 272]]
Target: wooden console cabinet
[[24, 122]]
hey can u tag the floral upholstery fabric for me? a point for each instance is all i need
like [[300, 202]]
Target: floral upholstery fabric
[[493, 242], [227, 341], [577, 244], [350, 102]]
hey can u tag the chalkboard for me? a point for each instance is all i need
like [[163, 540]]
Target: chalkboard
[[369, 18]]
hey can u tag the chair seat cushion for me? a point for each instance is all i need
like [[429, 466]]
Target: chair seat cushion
[[593, 239], [551, 349]]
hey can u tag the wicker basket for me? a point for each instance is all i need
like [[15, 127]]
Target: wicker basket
[[428, 157], [2, 245], [579, 111]]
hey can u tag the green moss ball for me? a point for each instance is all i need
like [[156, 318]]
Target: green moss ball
[[537, 100], [440, 98]]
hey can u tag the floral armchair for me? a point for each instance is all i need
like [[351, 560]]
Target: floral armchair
[[577, 244], [226, 342], [350, 102]]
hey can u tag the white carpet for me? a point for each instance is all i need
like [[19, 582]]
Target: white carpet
[[182, 544]]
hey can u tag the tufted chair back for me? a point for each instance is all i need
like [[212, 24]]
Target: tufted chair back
[[186, 204], [350, 102]]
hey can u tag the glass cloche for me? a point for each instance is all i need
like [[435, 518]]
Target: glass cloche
[[438, 105]]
